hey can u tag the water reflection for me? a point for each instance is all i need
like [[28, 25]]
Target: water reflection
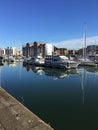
[[88, 80], [11, 64], [67, 103], [36, 69], [92, 69], [59, 73], [54, 73], [83, 83]]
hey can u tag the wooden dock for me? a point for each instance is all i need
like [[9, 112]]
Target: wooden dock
[[15, 116]]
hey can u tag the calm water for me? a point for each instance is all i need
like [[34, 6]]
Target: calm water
[[66, 100]]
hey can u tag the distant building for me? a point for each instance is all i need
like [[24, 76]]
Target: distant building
[[14, 51], [60, 51], [73, 52], [10, 51], [90, 50], [2, 51]]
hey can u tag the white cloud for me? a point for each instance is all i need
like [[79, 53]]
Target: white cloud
[[76, 43]]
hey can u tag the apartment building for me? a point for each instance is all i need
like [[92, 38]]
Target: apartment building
[[10, 51], [90, 50], [37, 49], [60, 51]]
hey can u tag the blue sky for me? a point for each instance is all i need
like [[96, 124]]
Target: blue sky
[[49, 21]]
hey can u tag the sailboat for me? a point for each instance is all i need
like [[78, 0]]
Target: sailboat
[[85, 61]]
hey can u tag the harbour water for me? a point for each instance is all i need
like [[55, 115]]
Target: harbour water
[[66, 99]]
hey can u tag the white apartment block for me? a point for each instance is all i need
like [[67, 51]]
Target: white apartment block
[[48, 49]]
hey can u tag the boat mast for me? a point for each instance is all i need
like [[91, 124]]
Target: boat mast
[[84, 48]]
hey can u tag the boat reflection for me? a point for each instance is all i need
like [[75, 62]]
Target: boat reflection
[[36, 69], [11, 64], [55, 73], [92, 69], [59, 73]]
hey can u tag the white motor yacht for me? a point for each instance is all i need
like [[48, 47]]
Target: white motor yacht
[[60, 61]]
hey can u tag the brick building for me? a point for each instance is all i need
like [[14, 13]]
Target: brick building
[[36, 49]]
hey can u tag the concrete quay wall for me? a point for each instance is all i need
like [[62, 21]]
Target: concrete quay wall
[[15, 116]]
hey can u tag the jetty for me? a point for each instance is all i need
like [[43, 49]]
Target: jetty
[[15, 116]]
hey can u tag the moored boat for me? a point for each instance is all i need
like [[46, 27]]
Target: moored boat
[[87, 62], [60, 61], [35, 60]]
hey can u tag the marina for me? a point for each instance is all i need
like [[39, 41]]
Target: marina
[[48, 65], [64, 99]]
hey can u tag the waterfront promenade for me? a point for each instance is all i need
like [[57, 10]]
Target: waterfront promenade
[[14, 116]]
